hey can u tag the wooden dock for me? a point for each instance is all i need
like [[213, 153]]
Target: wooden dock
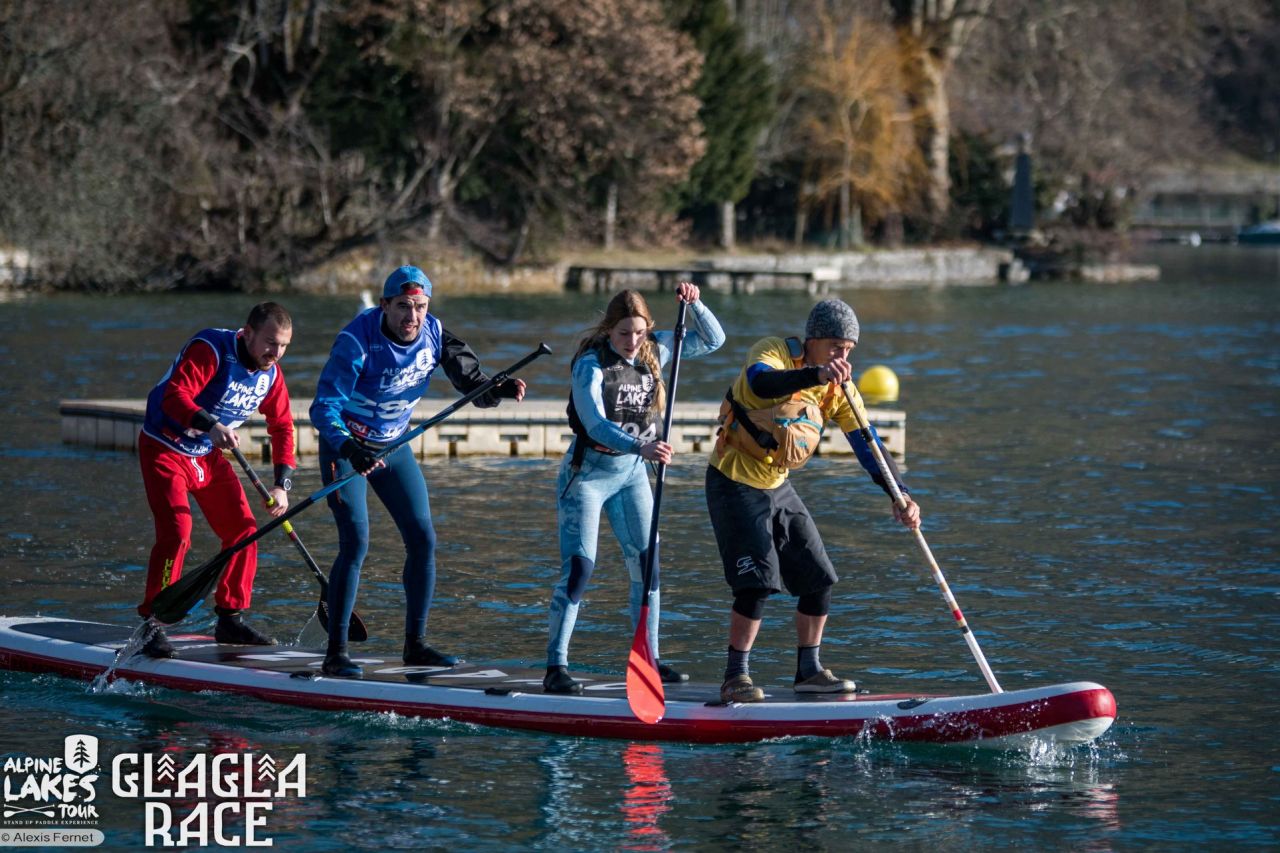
[[530, 428], [599, 279]]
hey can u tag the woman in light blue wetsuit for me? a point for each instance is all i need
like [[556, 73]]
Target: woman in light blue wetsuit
[[617, 404]]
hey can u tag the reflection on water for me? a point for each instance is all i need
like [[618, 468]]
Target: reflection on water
[[647, 798], [1098, 474]]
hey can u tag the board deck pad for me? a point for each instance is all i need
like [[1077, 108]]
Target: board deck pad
[[302, 662]]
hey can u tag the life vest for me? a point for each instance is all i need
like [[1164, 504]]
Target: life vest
[[233, 394], [785, 435], [628, 392], [391, 377]]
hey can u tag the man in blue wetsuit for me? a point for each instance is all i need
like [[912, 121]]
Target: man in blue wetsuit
[[378, 369]]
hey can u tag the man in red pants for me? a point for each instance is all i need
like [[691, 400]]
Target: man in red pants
[[218, 380]]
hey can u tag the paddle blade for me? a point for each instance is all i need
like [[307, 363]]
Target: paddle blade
[[175, 601], [644, 686], [356, 630]]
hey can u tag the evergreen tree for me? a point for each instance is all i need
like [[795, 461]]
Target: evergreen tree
[[737, 95]]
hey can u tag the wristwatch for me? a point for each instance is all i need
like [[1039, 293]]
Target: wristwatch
[[285, 483]]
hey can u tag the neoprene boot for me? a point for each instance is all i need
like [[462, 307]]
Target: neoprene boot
[[338, 664], [557, 680], [158, 645], [232, 630], [671, 675], [418, 653]]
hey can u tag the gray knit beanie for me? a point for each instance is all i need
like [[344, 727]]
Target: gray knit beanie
[[832, 318]]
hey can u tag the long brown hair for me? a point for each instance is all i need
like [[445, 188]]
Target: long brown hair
[[625, 305]]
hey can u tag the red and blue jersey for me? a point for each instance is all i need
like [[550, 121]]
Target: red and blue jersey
[[210, 375]]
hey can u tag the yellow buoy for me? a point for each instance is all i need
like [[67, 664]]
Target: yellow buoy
[[878, 384]]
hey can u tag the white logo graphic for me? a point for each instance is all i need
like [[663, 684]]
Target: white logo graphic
[[264, 382], [80, 753], [43, 791], [746, 565], [223, 800]]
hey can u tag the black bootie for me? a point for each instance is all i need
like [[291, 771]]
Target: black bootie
[[338, 664], [158, 645], [671, 675], [232, 630], [558, 680], [418, 653]]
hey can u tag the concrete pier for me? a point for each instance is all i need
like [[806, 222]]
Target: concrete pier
[[531, 428]]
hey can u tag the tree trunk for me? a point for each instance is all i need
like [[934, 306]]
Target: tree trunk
[[610, 215], [846, 210], [728, 236], [935, 135], [522, 238], [933, 34]]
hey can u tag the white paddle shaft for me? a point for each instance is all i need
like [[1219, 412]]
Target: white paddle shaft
[[865, 426]]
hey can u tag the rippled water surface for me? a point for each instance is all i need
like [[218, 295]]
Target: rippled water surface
[[1098, 469]]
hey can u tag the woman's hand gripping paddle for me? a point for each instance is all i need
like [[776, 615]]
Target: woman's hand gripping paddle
[[645, 694], [356, 630], [864, 426], [177, 599]]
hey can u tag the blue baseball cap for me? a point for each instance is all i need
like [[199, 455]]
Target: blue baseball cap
[[406, 280]]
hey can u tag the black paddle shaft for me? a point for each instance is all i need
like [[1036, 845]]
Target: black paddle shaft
[[175, 601], [266, 495], [356, 630], [651, 555]]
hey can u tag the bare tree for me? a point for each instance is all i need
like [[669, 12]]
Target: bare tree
[[857, 123], [1106, 89], [932, 34]]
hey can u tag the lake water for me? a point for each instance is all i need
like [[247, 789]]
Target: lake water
[[1098, 470]]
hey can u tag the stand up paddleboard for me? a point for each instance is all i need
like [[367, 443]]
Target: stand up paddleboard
[[513, 698]]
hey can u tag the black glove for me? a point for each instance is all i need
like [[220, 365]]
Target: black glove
[[361, 458], [507, 390]]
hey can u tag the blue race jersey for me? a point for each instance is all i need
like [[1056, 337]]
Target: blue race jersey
[[231, 397], [371, 383]]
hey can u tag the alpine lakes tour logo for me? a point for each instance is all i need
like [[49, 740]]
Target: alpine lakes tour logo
[[50, 802], [222, 799], [53, 791]]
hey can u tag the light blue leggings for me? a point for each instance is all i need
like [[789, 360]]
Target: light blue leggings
[[620, 486]]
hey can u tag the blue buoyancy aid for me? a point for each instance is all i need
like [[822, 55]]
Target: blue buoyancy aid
[[234, 393], [389, 379]]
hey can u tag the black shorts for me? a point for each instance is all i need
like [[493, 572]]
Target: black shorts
[[767, 538]]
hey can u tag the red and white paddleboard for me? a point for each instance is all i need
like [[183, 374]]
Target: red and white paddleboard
[[512, 698]]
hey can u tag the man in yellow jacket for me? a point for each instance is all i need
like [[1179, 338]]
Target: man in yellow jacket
[[771, 422]]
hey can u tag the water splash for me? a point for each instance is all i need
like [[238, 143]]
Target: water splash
[[312, 633], [139, 638]]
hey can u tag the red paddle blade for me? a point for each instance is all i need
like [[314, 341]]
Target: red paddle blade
[[644, 685]]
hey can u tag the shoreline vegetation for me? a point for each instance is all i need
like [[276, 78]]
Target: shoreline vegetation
[[462, 273], [219, 145]]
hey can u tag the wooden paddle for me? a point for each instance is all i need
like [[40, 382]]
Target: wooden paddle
[[864, 427], [645, 694], [175, 601], [356, 630]]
